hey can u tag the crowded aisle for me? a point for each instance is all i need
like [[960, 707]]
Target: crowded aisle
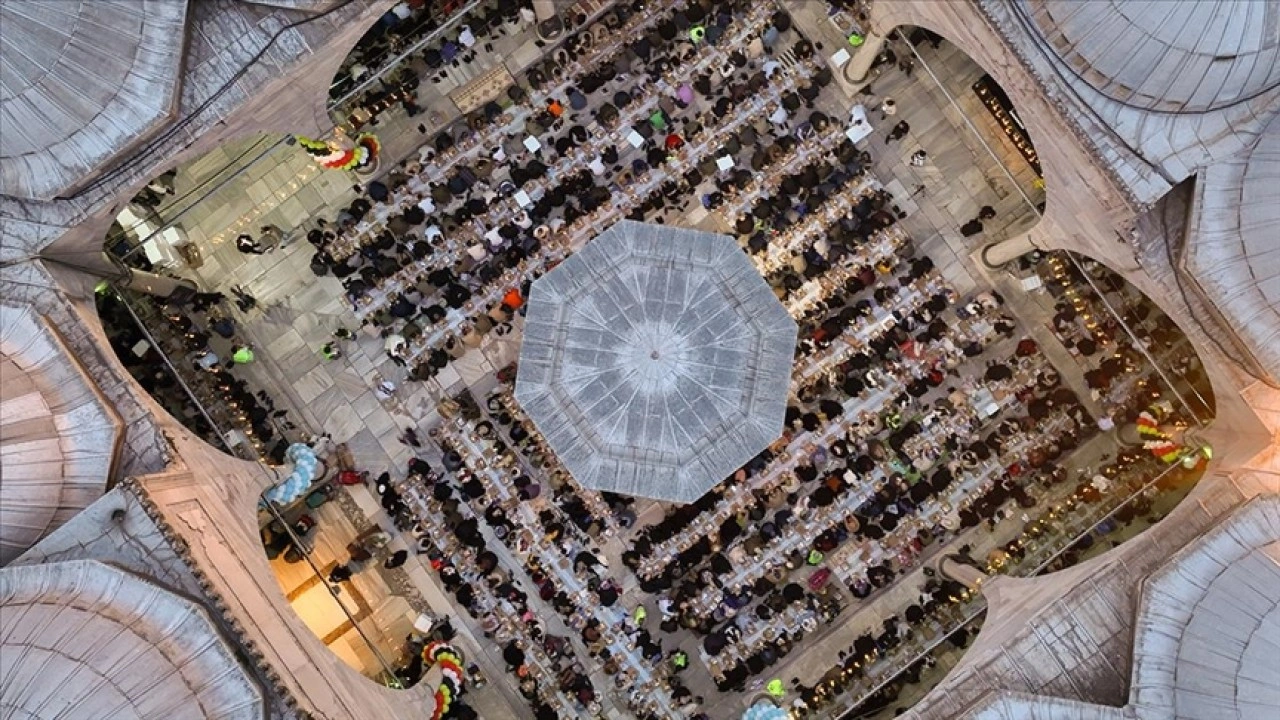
[[944, 419]]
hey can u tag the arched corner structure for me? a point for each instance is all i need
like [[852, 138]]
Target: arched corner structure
[[82, 640], [58, 435], [1230, 249], [1208, 628]]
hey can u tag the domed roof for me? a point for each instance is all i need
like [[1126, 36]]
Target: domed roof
[[81, 82], [1231, 250], [82, 640], [656, 361], [57, 436], [1183, 56], [1208, 629]]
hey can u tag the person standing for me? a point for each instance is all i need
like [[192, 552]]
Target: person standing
[[241, 355], [888, 108], [679, 660]]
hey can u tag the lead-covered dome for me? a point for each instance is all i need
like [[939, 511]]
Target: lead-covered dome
[[82, 640], [58, 435], [82, 82], [1188, 56], [1208, 629]]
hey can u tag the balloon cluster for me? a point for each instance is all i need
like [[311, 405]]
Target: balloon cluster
[[343, 154], [451, 684], [765, 710], [305, 464], [1157, 439]]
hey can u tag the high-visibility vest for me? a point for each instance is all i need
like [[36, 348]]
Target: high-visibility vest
[[856, 40], [776, 688], [696, 33], [680, 660], [641, 614], [242, 355]]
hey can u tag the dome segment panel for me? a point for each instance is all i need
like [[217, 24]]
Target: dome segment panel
[[655, 361]]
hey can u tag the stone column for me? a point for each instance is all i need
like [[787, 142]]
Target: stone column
[[1005, 251], [855, 71]]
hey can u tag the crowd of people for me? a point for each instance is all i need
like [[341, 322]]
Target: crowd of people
[[227, 410], [440, 254], [918, 416]]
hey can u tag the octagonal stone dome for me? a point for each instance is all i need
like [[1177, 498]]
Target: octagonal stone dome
[[1180, 56], [656, 361], [82, 82], [82, 640]]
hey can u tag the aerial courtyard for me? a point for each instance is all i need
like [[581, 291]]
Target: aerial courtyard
[[662, 360]]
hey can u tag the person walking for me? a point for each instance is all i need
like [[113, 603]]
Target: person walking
[[974, 226], [918, 158], [898, 132], [275, 237], [244, 300], [247, 245], [971, 228], [340, 574]]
